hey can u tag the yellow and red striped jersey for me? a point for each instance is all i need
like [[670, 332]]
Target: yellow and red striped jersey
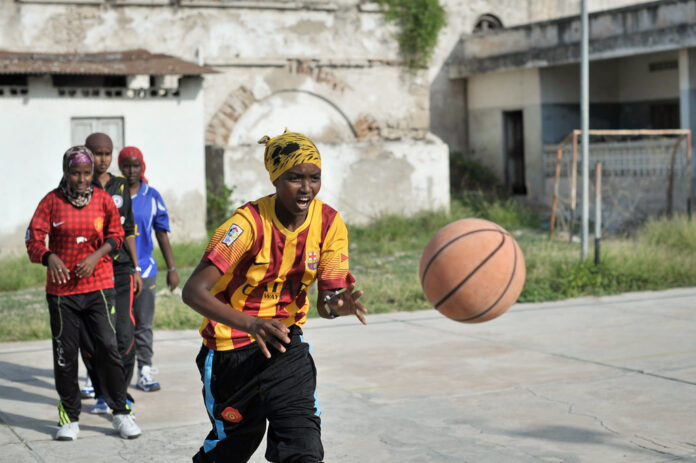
[[267, 269]]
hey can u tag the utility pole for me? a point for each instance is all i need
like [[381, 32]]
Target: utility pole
[[585, 124]]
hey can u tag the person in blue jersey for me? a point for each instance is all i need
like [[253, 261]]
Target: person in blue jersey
[[150, 215]]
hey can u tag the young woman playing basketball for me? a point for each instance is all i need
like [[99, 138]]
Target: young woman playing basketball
[[252, 287], [82, 225]]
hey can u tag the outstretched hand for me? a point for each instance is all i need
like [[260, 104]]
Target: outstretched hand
[[269, 332], [346, 303]]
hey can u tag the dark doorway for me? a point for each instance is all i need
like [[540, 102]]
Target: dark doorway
[[664, 115], [514, 152]]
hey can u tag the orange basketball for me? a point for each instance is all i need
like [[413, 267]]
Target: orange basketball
[[472, 270]]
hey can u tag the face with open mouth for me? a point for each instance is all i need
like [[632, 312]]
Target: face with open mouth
[[296, 189]]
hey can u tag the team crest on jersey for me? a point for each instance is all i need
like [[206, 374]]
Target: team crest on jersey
[[233, 233], [99, 224], [118, 201], [312, 260], [231, 414]]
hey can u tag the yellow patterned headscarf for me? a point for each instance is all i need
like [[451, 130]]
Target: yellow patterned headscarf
[[287, 151]]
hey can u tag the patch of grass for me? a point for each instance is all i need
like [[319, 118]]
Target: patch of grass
[[678, 233], [18, 272], [185, 254], [170, 311]]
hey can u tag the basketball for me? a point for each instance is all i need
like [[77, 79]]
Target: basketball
[[472, 270]]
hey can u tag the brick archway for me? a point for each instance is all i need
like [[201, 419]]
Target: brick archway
[[221, 125]]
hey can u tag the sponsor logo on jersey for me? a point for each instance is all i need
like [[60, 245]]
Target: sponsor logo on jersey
[[118, 200], [233, 233], [312, 260], [58, 224], [344, 261], [231, 414], [98, 224], [274, 290], [81, 239]]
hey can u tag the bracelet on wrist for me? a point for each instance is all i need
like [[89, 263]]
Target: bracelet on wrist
[[137, 269], [173, 269], [328, 298]]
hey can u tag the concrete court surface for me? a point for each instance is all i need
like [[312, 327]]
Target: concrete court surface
[[609, 379]]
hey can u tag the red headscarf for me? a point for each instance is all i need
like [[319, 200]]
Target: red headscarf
[[132, 152]]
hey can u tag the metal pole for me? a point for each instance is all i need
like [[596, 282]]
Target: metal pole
[[688, 175], [585, 124], [573, 186], [598, 212]]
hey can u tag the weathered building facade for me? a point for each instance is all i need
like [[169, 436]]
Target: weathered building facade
[[328, 68], [523, 90]]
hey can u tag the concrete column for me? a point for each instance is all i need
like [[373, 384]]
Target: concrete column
[[687, 99]]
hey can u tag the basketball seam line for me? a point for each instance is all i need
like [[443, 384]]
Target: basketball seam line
[[449, 243], [507, 286], [456, 288]]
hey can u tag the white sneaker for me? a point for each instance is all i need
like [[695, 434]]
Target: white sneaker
[[145, 381], [126, 427], [68, 431]]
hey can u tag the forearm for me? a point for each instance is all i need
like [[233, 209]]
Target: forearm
[[37, 252], [103, 250], [132, 251], [166, 248], [202, 301]]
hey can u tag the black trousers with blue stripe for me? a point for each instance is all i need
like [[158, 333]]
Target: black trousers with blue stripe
[[242, 389]]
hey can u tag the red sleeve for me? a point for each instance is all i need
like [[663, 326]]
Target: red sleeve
[[112, 222], [39, 228]]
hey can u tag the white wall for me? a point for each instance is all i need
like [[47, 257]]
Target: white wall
[[35, 132], [637, 83], [618, 80]]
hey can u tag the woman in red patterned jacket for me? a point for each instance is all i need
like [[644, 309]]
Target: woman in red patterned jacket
[[82, 225]]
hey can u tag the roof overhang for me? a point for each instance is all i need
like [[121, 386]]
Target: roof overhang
[[128, 63], [633, 30]]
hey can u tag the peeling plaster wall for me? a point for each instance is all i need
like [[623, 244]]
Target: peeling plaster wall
[[363, 180], [350, 54]]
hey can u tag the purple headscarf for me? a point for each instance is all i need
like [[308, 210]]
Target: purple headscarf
[[76, 155]]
